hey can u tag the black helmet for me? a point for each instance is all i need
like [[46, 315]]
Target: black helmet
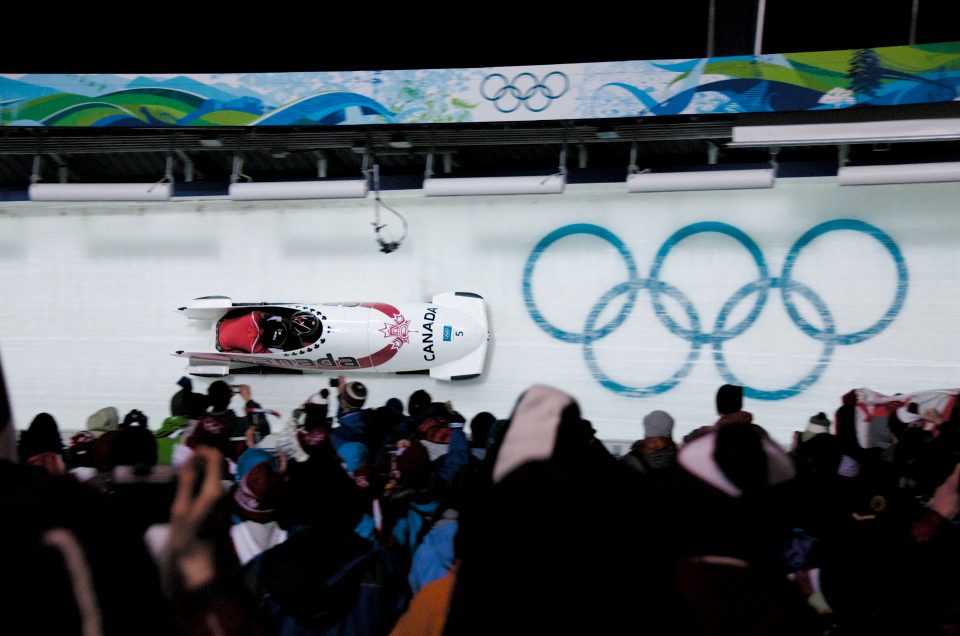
[[305, 324]]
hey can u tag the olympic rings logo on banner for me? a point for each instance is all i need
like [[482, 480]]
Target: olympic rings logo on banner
[[721, 332], [509, 95]]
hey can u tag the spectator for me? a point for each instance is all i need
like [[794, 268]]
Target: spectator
[[220, 394], [732, 524], [549, 529], [657, 450], [325, 579], [730, 406], [480, 428], [255, 500], [356, 424], [41, 445]]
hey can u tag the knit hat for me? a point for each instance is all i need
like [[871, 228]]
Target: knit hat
[[354, 394], [220, 394], [533, 431], [736, 459], [729, 399], [480, 427], [249, 459], [315, 415], [818, 425], [418, 401], [256, 496], [106, 419], [657, 424]]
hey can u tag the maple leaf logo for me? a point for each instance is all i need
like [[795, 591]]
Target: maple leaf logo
[[399, 330]]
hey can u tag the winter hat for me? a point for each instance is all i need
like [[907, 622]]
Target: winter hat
[[249, 459], [657, 424], [818, 425], [418, 401], [42, 436], [256, 496], [736, 459], [196, 405], [729, 399], [354, 394], [315, 416], [533, 429], [321, 398], [394, 405], [106, 419], [220, 394], [480, 427]]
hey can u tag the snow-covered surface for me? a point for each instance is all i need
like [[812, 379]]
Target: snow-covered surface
[[90, 293]]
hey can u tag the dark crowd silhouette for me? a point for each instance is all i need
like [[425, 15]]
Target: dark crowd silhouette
[[408, 518]]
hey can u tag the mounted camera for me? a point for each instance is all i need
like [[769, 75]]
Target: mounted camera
[[387, 246]]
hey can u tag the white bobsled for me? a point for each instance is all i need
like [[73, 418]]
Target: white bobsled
[[446, 337]]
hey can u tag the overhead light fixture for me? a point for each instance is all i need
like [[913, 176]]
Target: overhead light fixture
[[211, 142], [100, 191], [944, 129], [399, 141], [548, 184], [607, 132], [272, 190], [701, 180], [899, 173]]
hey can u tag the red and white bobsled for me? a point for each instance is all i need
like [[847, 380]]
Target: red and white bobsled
[[446, 337]]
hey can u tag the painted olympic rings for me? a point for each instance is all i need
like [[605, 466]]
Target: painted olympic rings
[[721, 332], [508, 95]]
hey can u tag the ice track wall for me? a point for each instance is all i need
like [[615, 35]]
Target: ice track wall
[[629, 302]]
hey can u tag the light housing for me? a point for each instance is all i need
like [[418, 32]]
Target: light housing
[[942, 129], [547, 184], [275, 190], [899, 173], [700, 180], [100, 191]]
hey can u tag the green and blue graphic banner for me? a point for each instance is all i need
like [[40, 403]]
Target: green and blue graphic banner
[[822, 80]]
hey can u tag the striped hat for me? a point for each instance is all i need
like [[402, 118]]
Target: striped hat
[[256, 495], [354, 394]]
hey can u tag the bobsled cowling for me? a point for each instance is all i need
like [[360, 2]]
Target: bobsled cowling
[[446, 337]]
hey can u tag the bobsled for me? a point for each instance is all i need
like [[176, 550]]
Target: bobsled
[[446, 337]]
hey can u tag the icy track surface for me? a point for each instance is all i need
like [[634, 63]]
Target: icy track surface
[[629, 302]]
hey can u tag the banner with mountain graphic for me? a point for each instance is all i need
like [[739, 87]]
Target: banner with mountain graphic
[[887, 76]]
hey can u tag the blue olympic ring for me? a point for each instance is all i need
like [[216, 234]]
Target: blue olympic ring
[[721, 333], [509, 89]]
